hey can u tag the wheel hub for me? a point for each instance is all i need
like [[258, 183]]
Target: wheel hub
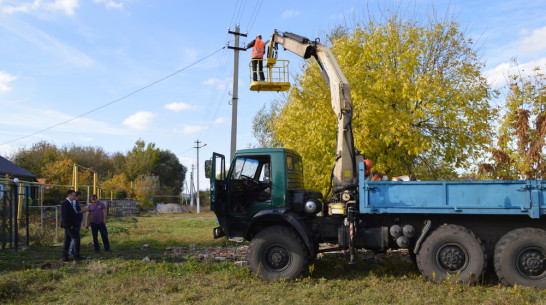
[[532, 262], [452, 258], [277, 257]]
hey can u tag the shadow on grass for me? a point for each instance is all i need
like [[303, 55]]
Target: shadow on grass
[[385, 265], [336, 266]]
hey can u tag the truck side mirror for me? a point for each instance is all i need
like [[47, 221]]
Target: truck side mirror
[[208, 166]]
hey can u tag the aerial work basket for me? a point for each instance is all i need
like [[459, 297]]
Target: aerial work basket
[[276, 76]]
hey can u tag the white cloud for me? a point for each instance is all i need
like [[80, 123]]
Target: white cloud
[[5, 79], [140, 120], [190, 129], [7, 150], [289, 14], [46, 42], [220, 120], [498, 76], [68, 7], [219, 84], [110, 4], [535, 42], [178, 106]]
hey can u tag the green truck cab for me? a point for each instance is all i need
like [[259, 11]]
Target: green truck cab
[[260, 184], [263, 188]]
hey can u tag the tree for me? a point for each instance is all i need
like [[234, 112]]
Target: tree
[[420, 102], [519, 153], [170, 172], [37, 157], [119, 184], [143, 187], [60, 172], [141, 160], [94, 158], [262, 126]]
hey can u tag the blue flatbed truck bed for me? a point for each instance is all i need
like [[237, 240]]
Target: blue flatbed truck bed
[[500, 223], [522, 197]]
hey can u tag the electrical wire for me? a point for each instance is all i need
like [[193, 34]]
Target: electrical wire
[[241, 11], [117, 100], [254, 14]]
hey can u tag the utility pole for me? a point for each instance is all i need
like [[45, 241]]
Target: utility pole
[[197, 147], [235, 96], [187, 189], [191, 186]]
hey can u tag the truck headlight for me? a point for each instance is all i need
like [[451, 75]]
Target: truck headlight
[[312, 207]]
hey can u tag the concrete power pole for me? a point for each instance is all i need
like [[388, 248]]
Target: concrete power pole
[[197, 147], [235, 96], [191, 186]]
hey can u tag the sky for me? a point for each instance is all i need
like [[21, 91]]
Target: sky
[[107, 73]]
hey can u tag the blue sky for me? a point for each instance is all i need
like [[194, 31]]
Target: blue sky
[[60, 59]]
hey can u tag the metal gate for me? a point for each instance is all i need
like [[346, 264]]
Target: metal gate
[[13, 218]]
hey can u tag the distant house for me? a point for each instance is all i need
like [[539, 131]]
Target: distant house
[[14, 171]]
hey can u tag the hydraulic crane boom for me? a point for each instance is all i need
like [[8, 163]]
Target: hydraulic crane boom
[[345, 172]]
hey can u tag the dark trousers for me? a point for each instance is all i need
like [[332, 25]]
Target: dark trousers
[[257, 62], [95, 227], [72, 248], [71, 235]]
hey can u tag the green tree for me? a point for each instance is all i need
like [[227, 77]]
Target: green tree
[[94, 158], [170, 172], [141, 160], [420, 102], [36, 158], [144, 186], [519, 153], [262, 126]]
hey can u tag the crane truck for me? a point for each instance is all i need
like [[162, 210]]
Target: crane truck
[[450, 228]]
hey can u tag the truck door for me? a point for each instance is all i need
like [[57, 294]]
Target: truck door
[[249, 185], [218, 189]]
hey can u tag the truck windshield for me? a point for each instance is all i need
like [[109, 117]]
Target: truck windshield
[[245, 167]]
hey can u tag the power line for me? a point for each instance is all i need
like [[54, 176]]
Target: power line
[[241, 11], [115, 101], [254, 15]]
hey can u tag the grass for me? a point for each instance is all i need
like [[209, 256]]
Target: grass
[[37, 276]]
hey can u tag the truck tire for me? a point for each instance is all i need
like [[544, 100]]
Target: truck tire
[[277, 252], [520, 258], [452, 250]]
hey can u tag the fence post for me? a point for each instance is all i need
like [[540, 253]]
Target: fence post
[[56, 222], [4, 213], [13, 221], [29, 192]]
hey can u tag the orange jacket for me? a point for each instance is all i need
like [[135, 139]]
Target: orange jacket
[[258, 50]]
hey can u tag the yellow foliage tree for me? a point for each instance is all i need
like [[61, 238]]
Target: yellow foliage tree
[[419, 98], [60, 172]]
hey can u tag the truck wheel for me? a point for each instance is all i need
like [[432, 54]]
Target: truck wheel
[[277, 252], [520, 258], [452, 250]]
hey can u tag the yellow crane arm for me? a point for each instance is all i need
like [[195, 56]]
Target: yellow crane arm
[[345, 171]]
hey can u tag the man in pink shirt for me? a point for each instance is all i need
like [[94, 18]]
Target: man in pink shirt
[[97, 213]]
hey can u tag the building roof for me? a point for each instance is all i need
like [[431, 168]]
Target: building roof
[[15, 171]]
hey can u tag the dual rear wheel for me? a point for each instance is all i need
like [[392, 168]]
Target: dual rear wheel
[[454, 253], [520, 258]]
